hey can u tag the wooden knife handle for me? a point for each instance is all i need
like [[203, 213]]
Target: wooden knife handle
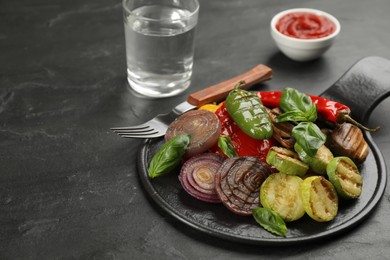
[[219, 92]]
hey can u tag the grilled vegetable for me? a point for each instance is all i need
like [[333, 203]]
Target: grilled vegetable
[[210, 107], [226, 145], [347, 140], [345, 176], [319, 198], [249, 113], [280, 193], [286, 161], [238, 182], [202, 125], [270, 221], [197, 176], [169, 156], [281, 131], [243, 143], [319, 161]]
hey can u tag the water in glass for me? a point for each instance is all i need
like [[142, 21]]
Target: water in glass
[[159, 49]]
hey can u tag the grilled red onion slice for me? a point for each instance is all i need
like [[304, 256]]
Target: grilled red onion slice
[[238, 182], [202, 125], [197, 176]]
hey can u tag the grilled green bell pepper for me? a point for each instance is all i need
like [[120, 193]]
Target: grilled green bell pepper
[[248, 112]]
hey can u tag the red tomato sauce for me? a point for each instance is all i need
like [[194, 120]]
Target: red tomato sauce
[[303, 25], [243, 143]]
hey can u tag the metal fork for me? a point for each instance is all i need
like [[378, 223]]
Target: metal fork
[[155, 127]]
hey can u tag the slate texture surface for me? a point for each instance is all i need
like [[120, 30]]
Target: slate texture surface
[[69, 187]]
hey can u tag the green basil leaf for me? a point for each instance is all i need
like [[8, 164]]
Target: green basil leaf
[[169, 155], [292, 100], [311, 113], [309, 136], [291, 116], [270, 221], [226, 145]]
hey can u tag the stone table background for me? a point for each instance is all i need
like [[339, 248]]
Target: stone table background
[[69, 188]]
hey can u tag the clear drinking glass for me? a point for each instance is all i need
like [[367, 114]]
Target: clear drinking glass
[[160, 45]]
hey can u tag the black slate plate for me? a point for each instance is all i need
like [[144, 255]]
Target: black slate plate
[[361, 88]]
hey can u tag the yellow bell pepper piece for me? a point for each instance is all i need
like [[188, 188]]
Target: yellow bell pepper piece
[[210, 107]]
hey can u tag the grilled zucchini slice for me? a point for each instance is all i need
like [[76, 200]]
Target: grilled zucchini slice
[[319, 198], [280, 193], [345, 176], [286, 161], [317, 163]]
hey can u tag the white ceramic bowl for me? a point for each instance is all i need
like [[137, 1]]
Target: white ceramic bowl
[[303, 49]]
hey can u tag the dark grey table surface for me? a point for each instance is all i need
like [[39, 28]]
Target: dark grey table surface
[[69, 187]]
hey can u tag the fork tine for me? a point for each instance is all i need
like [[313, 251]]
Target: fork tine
[[149, 132], [134, 130], [150, 135], [136, 127]]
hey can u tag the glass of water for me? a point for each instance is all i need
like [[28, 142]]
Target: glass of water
[[160, 45]]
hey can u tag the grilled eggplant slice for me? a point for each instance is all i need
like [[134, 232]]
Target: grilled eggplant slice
[[348, 140], [281, 131]]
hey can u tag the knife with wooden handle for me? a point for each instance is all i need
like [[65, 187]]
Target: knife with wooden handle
[[219, 92]]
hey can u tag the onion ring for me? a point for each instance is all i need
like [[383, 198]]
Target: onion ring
[[202, 125], [238, 182], [197, 176]]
